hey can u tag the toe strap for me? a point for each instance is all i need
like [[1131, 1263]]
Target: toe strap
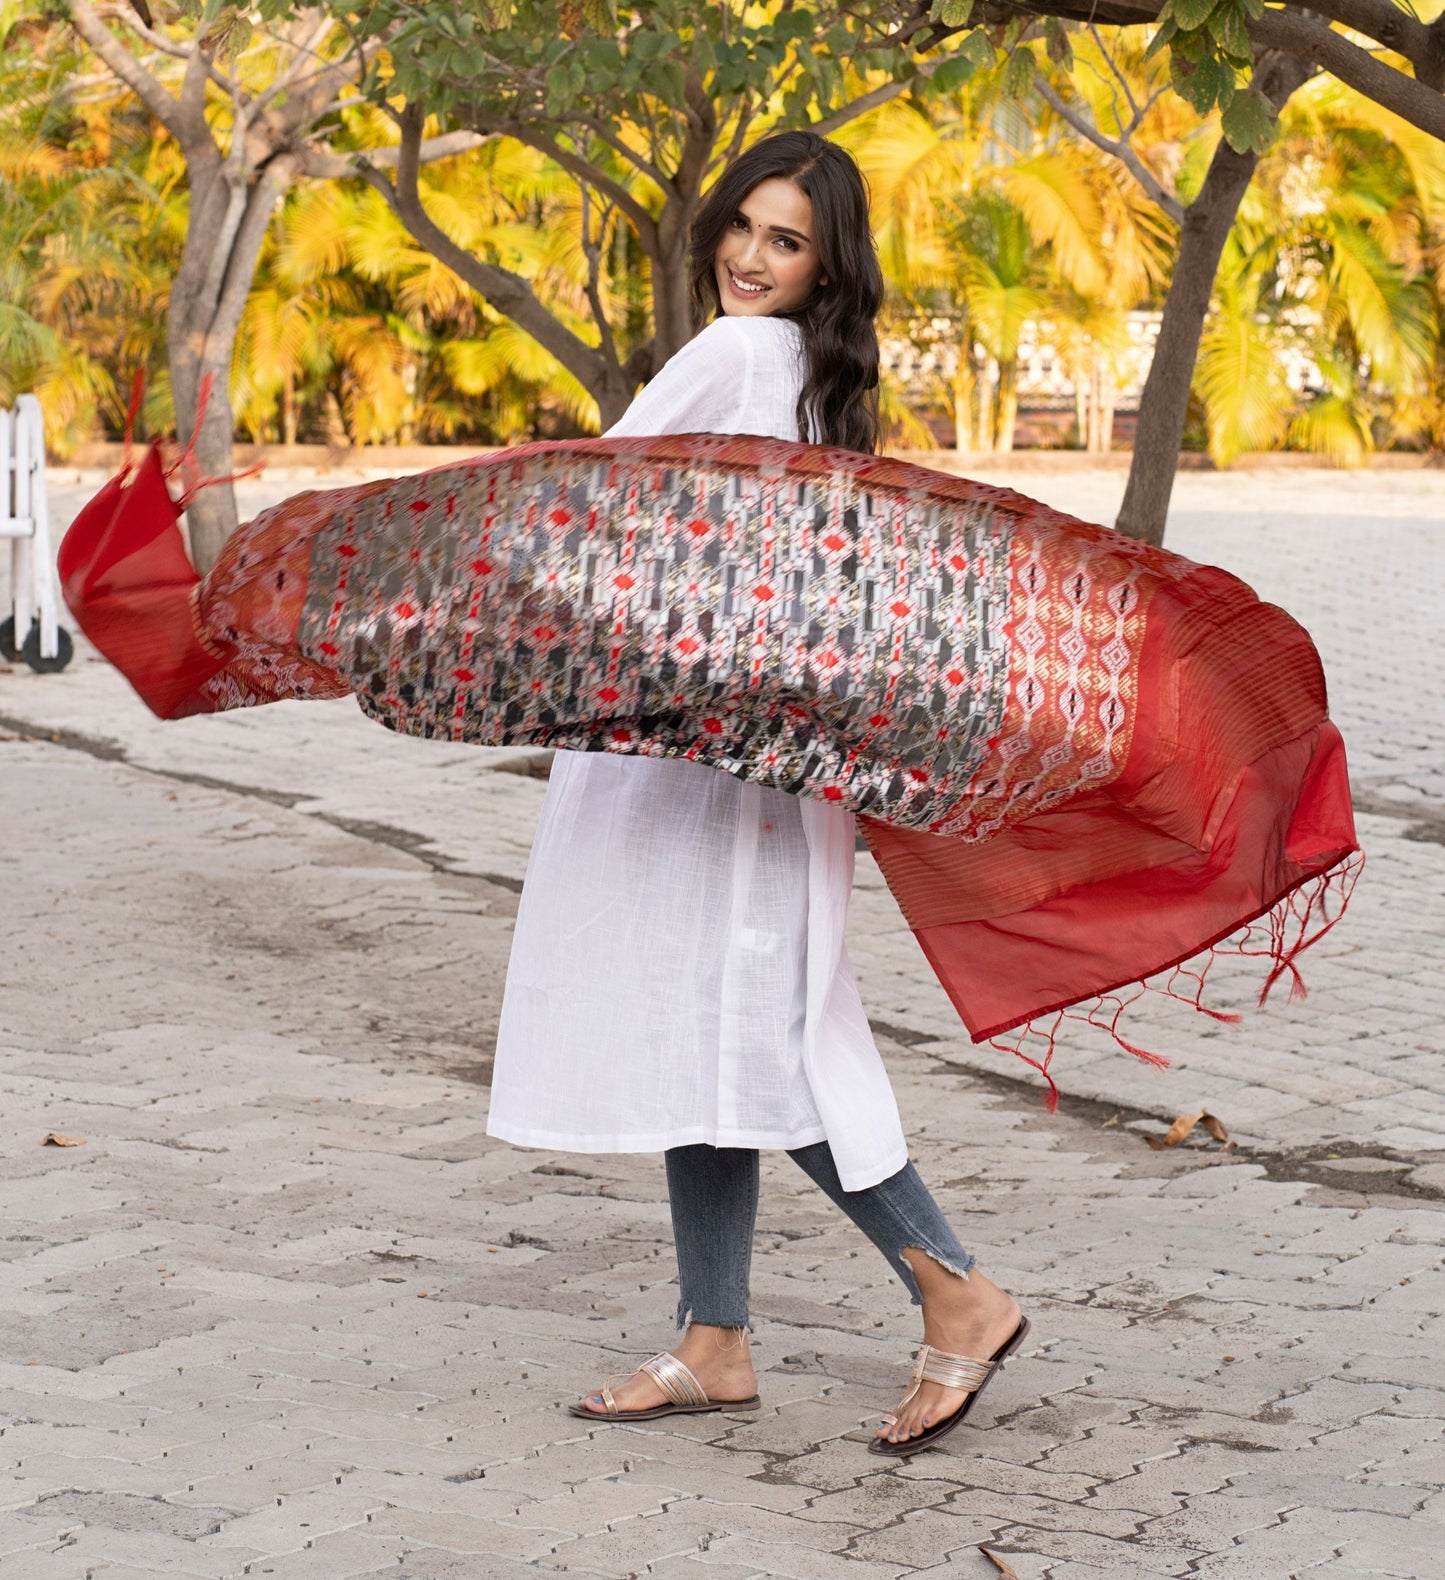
[[675, 1380], [951, 1371]]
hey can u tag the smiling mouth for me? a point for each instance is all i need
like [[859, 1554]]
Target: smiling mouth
[[743, 288]]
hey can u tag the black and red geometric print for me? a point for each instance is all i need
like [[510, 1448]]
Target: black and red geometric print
[[794, 630]]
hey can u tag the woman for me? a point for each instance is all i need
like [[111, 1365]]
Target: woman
[[678, 980]]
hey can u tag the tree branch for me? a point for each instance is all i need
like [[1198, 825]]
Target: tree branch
[[1313, 40], [1387, 24], [166, 46], [641, 162], [304, 52], [859, 106], [592, 250], [324, 164], [240, 260], [1121, 81], [1119, 149], [573, 163], [157, 41], [509, 293], [163, 105], [1416, 99]]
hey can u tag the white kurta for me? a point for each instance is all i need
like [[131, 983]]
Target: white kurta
[[678, 972]]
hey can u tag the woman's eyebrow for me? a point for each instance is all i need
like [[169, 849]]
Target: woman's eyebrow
[[781, 230]]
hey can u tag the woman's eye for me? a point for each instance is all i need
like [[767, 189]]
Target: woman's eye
[[738, 222], [788, 243]]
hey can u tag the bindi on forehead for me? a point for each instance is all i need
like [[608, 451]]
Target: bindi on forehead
[[779, 206]]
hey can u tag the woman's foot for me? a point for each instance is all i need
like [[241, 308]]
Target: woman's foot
[[718, 1357], [962, 1316]]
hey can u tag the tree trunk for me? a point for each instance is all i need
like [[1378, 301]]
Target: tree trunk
[[224, 232], [1008, 406], [1164, 403], [613, 393], [1104, 392], [671, 301], [984, 383], [961, 395]]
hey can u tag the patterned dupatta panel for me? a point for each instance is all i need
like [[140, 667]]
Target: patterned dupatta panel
[[906, 645], [1028, 711]]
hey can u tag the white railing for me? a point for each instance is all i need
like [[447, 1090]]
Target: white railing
[[33, 630]]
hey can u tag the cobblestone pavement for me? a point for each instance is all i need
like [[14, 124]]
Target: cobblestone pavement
[[254, 961]]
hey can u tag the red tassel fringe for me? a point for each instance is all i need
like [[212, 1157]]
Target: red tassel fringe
[[1280, 936]]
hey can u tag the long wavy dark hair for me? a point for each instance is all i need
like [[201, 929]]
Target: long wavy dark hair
[[839, 401]]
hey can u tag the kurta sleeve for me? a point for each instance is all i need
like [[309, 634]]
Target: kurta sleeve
[[707, 387]]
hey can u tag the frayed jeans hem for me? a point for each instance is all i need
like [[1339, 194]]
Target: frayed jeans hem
[[948, 1264], [687, 1315]]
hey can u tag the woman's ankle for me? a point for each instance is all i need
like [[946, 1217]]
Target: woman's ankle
[[719, 1346]]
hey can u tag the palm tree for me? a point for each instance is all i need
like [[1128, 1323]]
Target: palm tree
[[1331, 255], [988, 216], [86, 249]]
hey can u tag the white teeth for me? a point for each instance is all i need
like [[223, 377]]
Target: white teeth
[[745, 288]]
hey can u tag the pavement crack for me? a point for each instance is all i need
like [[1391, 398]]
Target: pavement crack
[[1307, 1165], [419, 846], [1426, 823]]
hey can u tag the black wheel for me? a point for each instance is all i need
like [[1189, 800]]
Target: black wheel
[[8, 650], [64, 651]]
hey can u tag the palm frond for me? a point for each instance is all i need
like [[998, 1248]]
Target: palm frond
[[1333, 426]]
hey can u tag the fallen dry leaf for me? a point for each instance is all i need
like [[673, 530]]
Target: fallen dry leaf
[[55, 1139], [1183, 1127], [1213, 1126], [1004, 1567]]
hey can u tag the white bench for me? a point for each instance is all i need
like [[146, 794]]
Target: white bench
[[32, 630]]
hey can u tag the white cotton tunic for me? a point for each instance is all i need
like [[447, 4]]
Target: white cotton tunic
[[678, 971]]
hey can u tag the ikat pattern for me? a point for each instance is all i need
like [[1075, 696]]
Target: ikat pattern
[[1077, 609], [784, 624], [251, 619]]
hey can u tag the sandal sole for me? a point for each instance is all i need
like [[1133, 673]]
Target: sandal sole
[[713, 1406]]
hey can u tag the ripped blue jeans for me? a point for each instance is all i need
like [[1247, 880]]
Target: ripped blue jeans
[[713, 1192]]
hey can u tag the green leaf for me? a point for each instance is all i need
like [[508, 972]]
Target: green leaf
[[1227, 28], [1061, 51], [1248, 123], [1191, 47], [951, 75], [1163, 38], [951, 13], [1190, 14], [1018, 75], [976, 48], [1202, 83]]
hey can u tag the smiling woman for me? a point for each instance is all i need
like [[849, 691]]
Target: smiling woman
[[784, 235], [1082, 760], [767, 262]]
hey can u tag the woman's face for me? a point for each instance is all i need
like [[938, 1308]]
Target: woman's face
[[767, 261]]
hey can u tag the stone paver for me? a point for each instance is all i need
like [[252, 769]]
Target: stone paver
[[288, 1311]]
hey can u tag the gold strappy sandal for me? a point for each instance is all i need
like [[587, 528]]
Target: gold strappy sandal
[[685, 1394], [949, 1371]]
